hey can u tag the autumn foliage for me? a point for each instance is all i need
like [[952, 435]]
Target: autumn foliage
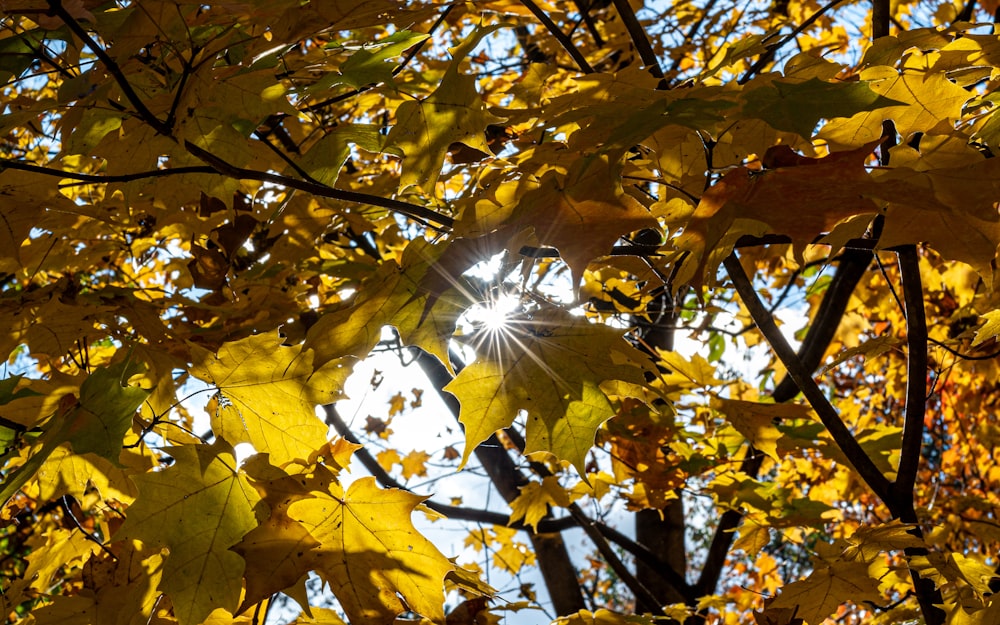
[[582, 226]]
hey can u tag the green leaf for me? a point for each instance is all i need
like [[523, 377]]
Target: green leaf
[[107, 405], [798, 107], [372, 64], [9, 391]]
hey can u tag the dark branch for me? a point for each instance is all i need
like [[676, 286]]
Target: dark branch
[[638, 35], [218, 166], [842, 436], [916, 372], [768, 56], [725, 532], [560, 36], [112, 67]]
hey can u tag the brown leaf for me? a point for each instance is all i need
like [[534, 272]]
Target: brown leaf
[[801, 198]]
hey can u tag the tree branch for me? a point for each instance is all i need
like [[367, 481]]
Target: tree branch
[[881, 10], [642, 594], [422, 214], [553, 557], [725, 532], [916, 372], [218, 166], [695, 27], [842, 436], [560, 36], [638, 35], [112, 67], [773, 49]]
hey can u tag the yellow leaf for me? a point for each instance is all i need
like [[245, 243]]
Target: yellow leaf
[[687, 372], [929, 98], [197, 508], [368, 530], [755, 420], [868, 542], [988, 330], [61, 548], [387, 458], [550, 366], [752, 538], [321, 616], [269, 394], [583, 213], [532, 504], [396, 404], [454, 113], [825, 589], [394, 295], [414, 464], [602, 617]]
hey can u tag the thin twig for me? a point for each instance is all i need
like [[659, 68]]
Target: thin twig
[[773, 49], [695, 27], [410, 54], [218, 166]]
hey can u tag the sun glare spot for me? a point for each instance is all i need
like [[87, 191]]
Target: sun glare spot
[[495, 315]]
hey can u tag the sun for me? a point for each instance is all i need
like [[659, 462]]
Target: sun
[[494, 316]]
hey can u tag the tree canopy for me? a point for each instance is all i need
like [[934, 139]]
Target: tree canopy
[[229, 206]]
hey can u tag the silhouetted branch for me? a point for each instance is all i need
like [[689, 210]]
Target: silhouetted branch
[[916, 371], [218, 166], [852, 450], [638, 35], [560, 36], [116, 72]]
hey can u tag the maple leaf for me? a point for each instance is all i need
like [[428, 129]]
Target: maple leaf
[[395, 295], [988, 330], [454, 113], [799, 106], [825, 589], [96, 423], [756, 420], [414, 464], [583, 213], [197, 508], [269, 393], [800, 198], [953, 209], [869, 542], [532, 504], [368, 529], [925, 100], [551, 367]]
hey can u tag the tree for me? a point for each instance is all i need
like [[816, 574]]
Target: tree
[[242, 195]]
